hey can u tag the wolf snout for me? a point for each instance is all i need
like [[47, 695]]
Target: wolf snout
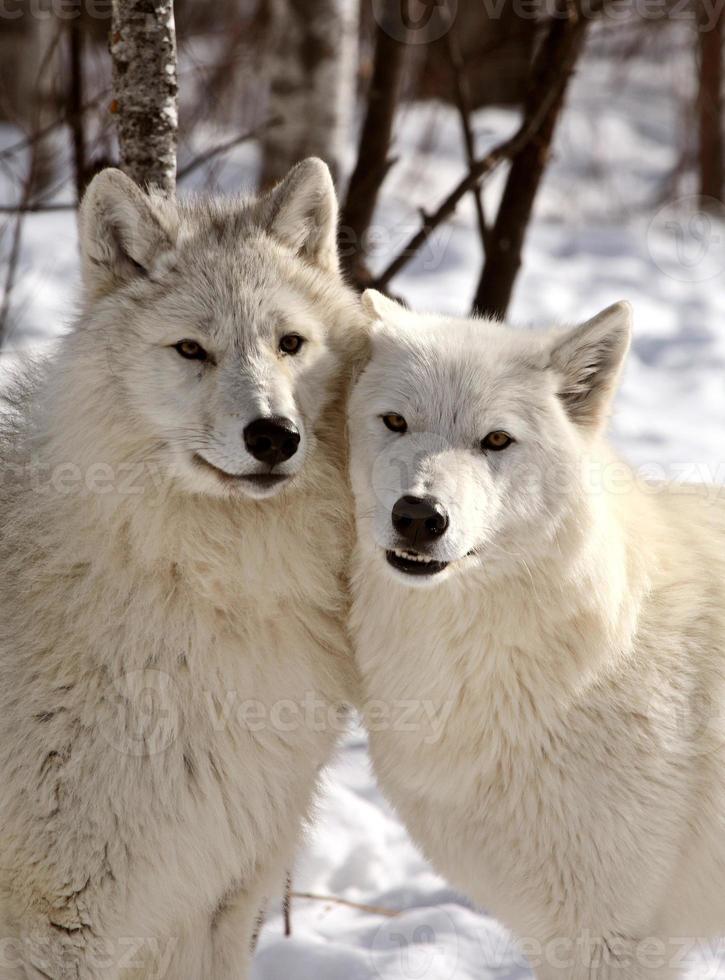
[[272, 440], [419, 520]]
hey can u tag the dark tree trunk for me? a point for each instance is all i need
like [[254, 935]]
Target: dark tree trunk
[[373, 160], [143, 51], [710, 42], [551, 71], [76, 100]]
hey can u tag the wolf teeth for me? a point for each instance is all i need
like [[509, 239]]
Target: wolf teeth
[[410, 557]]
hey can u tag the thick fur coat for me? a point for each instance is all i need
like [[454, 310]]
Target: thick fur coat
[[173, 657], [568, 622]]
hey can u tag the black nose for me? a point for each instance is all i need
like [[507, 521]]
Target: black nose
[[419, 520], [272, 440]]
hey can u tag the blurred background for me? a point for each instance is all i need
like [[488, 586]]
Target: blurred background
[[533, 159]]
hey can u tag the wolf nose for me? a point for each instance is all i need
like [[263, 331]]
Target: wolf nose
[[419, 520], [272, 440]]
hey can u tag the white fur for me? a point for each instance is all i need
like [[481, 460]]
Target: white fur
[[173, 656], [574, 646]]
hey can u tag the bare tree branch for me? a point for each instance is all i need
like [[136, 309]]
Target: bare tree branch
[[216, 151], [543, 98], [30, 140], [194, 164], [36, 207], [482, 168]]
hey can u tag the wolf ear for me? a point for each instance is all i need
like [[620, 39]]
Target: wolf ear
[[380, 307], [302, 213], [588, 360], [121, 233]]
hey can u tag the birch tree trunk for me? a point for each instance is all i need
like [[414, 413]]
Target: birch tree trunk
[[143, 52], [312, 76]]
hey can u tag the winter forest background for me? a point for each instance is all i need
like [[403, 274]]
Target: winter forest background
[[536, 159]]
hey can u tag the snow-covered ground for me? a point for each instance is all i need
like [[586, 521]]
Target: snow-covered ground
[[606, 228]]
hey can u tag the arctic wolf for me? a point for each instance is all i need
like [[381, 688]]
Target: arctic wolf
[[175, 523], [568, 622]]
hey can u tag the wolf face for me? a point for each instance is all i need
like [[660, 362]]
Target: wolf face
[[468, 438], [218, 339]]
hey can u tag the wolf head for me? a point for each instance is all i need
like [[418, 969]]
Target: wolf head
[[467, 437], [217, 326]]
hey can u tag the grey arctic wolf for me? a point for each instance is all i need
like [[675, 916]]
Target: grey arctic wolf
[[569, 622], [175, 523]]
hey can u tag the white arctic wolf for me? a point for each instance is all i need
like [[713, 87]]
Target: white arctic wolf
[[570, 626], [174, 529]]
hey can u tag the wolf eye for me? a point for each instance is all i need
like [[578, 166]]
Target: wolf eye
[[291, 343], [191, 350], [496, 441], [396, 423]]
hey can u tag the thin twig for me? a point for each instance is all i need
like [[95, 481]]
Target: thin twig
[[35, 137], [216, 151], [36, 207], [463, 104], [334, 900], [33, 207], [287, 905]]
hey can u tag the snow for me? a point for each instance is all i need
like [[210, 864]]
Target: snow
[[608, 226]]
